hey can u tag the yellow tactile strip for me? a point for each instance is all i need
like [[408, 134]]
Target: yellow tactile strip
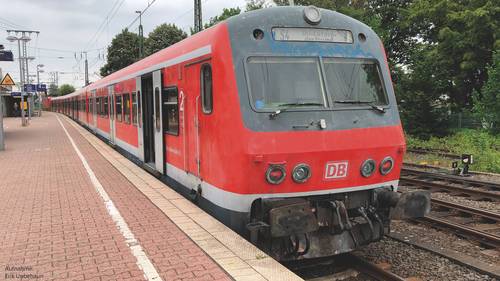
[[238, 257]]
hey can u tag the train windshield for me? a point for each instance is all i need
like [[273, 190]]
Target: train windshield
[[354, 81], [278, 82]]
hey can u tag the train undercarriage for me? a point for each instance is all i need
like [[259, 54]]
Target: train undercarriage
[[326, 225]]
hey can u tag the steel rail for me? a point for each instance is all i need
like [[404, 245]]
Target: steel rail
[[371, 269], [481, 236], [451, 179], [432, 185], [465, 209]]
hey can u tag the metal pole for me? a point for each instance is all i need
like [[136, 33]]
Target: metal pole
[[86, 70], [197, 16], [290, 3], [37, 92], [141, 36], [2, 144], [21, 86], [30, 99]]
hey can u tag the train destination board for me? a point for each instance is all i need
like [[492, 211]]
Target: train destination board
[[312, 35]]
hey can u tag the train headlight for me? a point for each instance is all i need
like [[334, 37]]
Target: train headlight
[[275, 174], [368, 167], [386, 165], [301, 173], [312, 15]]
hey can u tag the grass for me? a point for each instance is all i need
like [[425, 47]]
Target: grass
[[484, 146]]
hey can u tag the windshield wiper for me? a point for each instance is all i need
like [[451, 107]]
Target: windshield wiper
[[370, 103], [292, 105]]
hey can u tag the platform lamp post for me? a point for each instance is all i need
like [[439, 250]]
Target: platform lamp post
[[13, 38], [30, 97], [38, 71]]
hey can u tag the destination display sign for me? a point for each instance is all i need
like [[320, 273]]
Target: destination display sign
[[312, 35]]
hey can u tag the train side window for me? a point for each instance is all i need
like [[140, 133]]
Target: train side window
[[98, 107], [106, 107], [171, 107], [206, 88], [118, 108], [126, 108], [157, 109], [134, 108]]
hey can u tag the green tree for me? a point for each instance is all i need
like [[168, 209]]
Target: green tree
[[163, 36], [226, 13], [52, 91], [123, 51], [487, 100], [65, 89], [461, 36], [256, 5]]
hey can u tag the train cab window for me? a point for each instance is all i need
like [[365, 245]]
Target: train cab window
[[354, 82], [206, 88], [126, 108], [118, 108], [285, 82], [134, 108], [171, 107]]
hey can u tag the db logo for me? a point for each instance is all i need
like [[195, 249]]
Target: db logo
[[335, 170]]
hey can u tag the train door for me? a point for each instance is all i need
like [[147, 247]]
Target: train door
[[158, 121], [111, 107], [138, 81], [191, 119]]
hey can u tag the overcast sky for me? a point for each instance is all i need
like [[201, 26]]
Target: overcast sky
[[68, 26]]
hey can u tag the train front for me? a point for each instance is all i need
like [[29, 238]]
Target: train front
[[324, 144]]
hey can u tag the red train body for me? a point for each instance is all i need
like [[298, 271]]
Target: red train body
[[283, 127]]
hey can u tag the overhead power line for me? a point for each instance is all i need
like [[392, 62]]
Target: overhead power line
[[111, 14], [143, 11]]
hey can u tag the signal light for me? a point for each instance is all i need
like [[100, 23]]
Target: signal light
[[275, 174]]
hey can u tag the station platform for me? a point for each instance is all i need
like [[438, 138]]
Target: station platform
[[72, 208]]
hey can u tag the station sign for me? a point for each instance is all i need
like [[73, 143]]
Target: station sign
[[6, 55], [17, 94], [35, 87]]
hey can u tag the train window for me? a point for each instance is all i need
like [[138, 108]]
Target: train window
[[206, 88], [118, 108], [171, 107], [98, 106], [126, 108], [157, 109], [134, 108], [106, 107], [354, 82], [283, 82]]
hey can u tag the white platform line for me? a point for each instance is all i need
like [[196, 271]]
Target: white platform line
[[143, 262]]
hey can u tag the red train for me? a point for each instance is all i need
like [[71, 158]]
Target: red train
[[281, 122]]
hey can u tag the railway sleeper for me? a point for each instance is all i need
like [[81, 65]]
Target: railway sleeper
[[327, 225]]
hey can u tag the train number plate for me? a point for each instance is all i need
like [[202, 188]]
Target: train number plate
[[335, 170]]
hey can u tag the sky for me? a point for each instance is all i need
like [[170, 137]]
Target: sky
[[68, 27]]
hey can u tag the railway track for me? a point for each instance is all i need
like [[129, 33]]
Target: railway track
[[475, 189], [438, 152], [329, 267], [472, 223]]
